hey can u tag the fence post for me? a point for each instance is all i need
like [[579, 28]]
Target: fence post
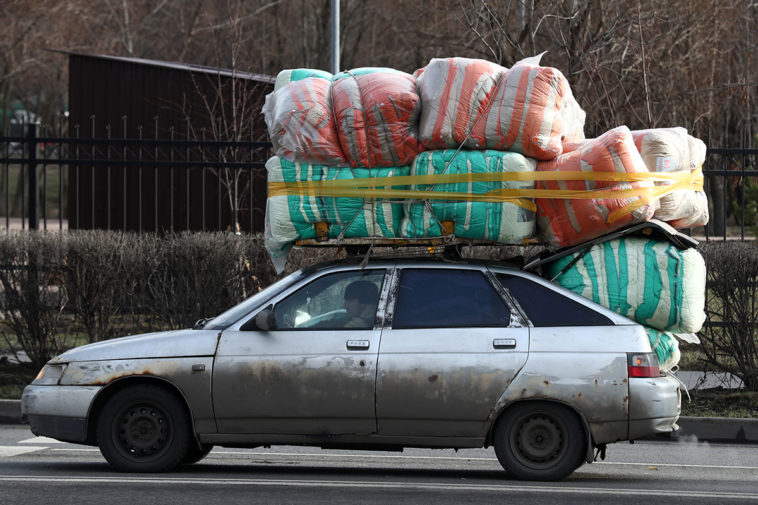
[[31, 146]]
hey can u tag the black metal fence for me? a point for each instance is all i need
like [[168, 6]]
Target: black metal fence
[[170, 180], [731, 183], [191, 180]]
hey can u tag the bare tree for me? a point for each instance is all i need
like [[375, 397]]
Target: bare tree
[[643, 64], [231, 104]]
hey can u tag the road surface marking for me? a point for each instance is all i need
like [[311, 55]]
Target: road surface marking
[[219, 453], [677, 465], [542, 488], [222, 452], [79, 449], [40, 440], [7, 451]]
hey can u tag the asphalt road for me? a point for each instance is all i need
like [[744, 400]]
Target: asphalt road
[[36, 470]]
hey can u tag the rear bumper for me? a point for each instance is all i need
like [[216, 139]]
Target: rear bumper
[[654, 406], [58, 412]]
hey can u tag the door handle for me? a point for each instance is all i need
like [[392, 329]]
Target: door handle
[[504, 343], [358, 345]]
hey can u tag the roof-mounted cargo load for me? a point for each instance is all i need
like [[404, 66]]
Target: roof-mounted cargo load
[[465, 153]]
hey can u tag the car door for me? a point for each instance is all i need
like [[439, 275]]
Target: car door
[[448, 352], [308, 375]]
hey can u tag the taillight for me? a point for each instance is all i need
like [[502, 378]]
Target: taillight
[[643, 365]]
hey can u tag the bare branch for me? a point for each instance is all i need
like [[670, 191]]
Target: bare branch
[[644, 69]]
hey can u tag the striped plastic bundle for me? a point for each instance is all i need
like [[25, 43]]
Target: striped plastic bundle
[[672, 150], [454, 95], [528, 109], [300, 121], [290, 217], [367, 117], [505, 222], [666, 347], [651, 282], [533, 111], [563, 222], [377, 112]]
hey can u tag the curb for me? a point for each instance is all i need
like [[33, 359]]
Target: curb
[[691, 429], [716, 429]]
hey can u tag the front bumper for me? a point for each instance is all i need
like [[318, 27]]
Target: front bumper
[[58, 412], [654, 406]]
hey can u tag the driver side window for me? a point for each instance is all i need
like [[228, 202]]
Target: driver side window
[[342, 300]]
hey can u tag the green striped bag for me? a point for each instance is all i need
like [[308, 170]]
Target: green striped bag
[[293, 217], [495, 221], [651, 282], [666, 347]]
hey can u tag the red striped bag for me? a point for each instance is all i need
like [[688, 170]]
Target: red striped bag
[[564, 222], [300, 122], [376, 112]]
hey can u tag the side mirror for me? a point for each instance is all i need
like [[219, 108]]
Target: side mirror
[[200, 323], [263, 321]]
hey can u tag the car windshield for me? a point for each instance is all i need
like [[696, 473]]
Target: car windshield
[[231, 316]]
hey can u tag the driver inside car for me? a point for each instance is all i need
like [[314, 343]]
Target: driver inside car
[[361, 298]]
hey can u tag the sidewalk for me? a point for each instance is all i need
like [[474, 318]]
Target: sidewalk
[[691, 429]]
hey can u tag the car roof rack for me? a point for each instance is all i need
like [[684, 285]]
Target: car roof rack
[[507, 255]]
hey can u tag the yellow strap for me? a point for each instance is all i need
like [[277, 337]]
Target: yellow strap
[[375, 187], [315, 188]]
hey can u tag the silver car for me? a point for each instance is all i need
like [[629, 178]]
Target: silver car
[[392, 354]]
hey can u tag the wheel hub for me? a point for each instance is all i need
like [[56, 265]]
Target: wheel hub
[[539, 439], [143, 430]]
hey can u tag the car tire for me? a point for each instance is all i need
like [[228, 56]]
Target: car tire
[[144, 428], [196, 453], [539, 441]]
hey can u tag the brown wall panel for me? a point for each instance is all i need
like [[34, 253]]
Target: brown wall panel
[[118, 98]]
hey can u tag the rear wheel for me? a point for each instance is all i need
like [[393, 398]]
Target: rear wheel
[[144, 428], [539, 441]]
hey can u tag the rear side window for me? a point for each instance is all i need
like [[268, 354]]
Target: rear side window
[[545, 307], [429, 298]]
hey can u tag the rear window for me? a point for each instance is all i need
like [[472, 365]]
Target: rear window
[[545, 307]]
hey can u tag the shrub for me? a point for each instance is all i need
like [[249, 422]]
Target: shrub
[[96, 279], [729, 342], [188, 276], [33, 294], [112, 284]]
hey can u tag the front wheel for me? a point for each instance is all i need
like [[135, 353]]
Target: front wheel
[[539, 441], [144, 428]]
